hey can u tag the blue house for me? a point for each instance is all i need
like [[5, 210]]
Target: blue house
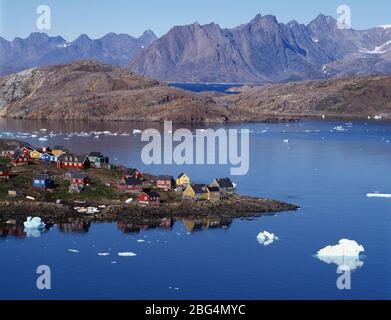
[[43, 181], [49, 157]]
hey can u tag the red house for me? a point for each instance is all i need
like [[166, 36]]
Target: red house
[[20, 159], [4, 172], [77, 178], [133, 173], [73, 161], [26, 151], [165, 182], [130, 185], [150, 198]]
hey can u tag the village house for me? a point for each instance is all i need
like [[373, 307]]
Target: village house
[[77, 178], [149, 198], [165, 182], [19, 159], [133, 173], [8, 153], [73, 161], [196, 192], [225, 185], [48, 157], [43, 181], [130, 185], [183, 180], [4, 172], [97, 159], [59, 151], [36, 154], [214, 194], [26, 150]]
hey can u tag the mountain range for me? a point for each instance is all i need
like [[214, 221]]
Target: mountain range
[[259, 52], [40, 50]]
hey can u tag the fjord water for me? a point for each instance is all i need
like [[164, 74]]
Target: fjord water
[[327, 172]]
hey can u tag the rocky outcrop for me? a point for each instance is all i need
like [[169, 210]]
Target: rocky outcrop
[[88, 90]]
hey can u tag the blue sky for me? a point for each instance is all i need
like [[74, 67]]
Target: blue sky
[[71, 18]]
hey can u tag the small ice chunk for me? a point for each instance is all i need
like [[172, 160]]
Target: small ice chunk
[[103, 254], [34, 223], [345, 248], [73, 250], [127, 254], [266, 238], [140, 241]]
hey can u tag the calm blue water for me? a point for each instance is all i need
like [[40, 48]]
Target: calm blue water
[[201, 87], [328, 173]]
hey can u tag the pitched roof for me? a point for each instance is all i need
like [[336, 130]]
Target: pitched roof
[[199, 188], [17, 154], [42, 176], [131, 171], [78, 175], [225, 183], [81, 158], [152, 194], [96, 154], [162, 177], [132, 182], [213, 189], [4, 168]]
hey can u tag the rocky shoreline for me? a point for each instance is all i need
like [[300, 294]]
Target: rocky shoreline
[[235, 207]]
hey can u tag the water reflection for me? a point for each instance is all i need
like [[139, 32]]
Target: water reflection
[[77, 226], [16, 229], [352, 263]]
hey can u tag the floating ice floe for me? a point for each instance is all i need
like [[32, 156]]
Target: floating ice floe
[[32, 233], [266, 238], [127, 254], [345, 248], [340, 129], [103, 254], [140, 241], [352, 262], [73, 251], [34, 223], [379, 195], [43, 139], [286, 141]]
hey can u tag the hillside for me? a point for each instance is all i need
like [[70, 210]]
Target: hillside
[[88, 90]]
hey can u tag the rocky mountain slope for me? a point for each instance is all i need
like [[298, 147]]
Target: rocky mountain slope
[[357, 97], [265, 51], [88, 90], [40, 50]]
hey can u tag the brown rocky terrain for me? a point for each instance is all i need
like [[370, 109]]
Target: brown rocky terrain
[[88, 90], [357, 97]]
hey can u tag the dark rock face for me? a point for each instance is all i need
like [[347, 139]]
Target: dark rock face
[[262, 51], [41, 50]]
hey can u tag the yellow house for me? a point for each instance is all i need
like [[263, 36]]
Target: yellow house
[[36, 154], [196, 192], [183, 180], [59, 151]]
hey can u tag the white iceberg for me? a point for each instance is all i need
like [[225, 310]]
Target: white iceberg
[[127, 254], [345, 248], [103, 254], [32, 233], [266, 238], [73, 251], [379, 195], [34, 223], [352, 263]]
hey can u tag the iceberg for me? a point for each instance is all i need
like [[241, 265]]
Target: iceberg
[[127, 254], [352, 262], [104, 254], [32, 233], [34, 223], [266, 238], [73, 251], [379, 195], [345, 248]]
